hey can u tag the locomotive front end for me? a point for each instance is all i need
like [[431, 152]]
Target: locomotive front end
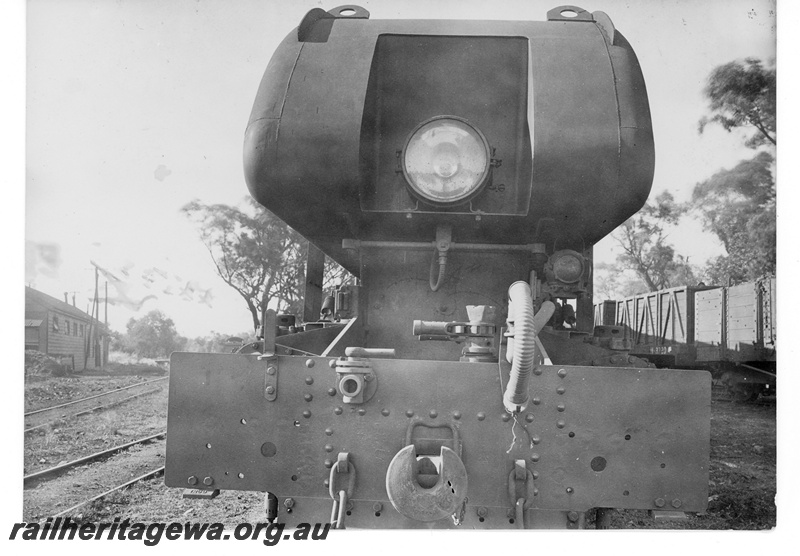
[[462, 170]]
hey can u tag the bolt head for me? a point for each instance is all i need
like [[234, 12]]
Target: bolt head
[[208, 481], [506, 417], [659, 502], [377, 506], [456, 415], [271, 370], [270, 389], [676, 503], [482, 512], [192, 480], [572, 516], [289, 502]]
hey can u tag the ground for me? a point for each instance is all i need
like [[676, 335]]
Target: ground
[[742, 484]]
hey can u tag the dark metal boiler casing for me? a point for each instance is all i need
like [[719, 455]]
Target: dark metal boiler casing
[[563, 104]]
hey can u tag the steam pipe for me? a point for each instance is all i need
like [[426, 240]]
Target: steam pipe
[[526, 328]]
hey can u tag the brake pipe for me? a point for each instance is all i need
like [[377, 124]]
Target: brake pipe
[[524, 355]]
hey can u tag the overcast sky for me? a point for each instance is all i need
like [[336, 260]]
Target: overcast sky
[[135, 108]]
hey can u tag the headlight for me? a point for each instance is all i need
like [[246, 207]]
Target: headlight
[[446, 160], [567, 266]]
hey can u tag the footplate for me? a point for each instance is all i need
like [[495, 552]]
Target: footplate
[[591, 437]]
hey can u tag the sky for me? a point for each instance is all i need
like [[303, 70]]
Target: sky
[[136, 107], [133, 108]]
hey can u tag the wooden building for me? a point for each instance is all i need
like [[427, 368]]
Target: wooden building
[[64, 332]]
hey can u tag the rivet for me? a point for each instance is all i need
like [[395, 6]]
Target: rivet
[[309, 380], [482, 511], [192, 480], [338, 410], [535, 474], [328, 463], [328, 432], [505, 417], [529, 417], [562, 372], [409, 413], [332, 363], [509, 513], [385, 412], [560, 423], [270, 389], [659, 502], [326, 483], [536, 492], [331, 391], [208, 481], [308, 397], [572, 516], [306, 414], [328, 448], [309, 363], [433, 413], [536, 439], [676, 503], [561, 407], [377, 506], [537, 370], [271, 370], [560, 390], [362, 411], [481, 416], [536, 401], [289, 502], [456, 415], [534, 457], [570, 490]]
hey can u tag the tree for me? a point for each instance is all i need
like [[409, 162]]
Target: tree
[[646, 253], [742, 94], [254, 252], [738, 206], [154, 335]]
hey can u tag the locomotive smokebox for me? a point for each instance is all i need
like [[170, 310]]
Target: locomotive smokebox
[[509, 132]]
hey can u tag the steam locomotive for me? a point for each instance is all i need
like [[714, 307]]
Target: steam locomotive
[[462, 170]]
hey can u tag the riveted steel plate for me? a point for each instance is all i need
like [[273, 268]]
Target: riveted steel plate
[[592, 436]]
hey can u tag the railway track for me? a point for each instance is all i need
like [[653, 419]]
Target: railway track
[[41, 418], [154, 473], [34, 478], [78, 484]]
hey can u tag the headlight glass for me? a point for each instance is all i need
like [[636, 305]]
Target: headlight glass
[[446, 160]]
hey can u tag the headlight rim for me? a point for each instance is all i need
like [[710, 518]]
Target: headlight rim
[[485, 177]]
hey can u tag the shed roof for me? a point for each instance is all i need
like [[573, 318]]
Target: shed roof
[[52, 303], [32, 322]]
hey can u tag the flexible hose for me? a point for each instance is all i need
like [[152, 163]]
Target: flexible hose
[[526, 327], [442, 258]]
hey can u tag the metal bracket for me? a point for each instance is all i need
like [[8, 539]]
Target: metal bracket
[[271, 380], [355, 380]]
